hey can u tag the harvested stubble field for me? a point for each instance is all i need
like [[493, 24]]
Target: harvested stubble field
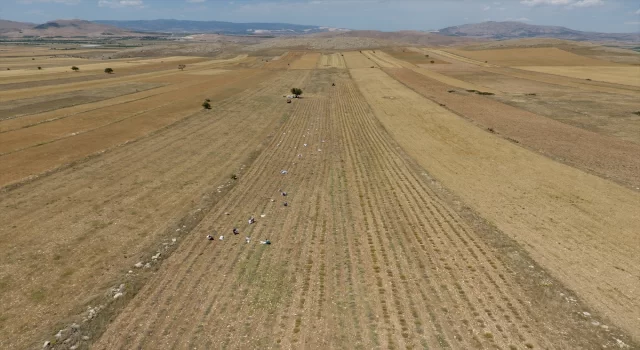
[[407, 224]]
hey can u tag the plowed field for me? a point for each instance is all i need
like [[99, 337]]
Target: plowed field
[[402, 211]]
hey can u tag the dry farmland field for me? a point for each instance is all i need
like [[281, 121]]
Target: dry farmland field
[[487, 200]]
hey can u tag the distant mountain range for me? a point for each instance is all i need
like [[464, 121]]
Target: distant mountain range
[[62, 28], [487, 30], [514, 30], [180, 26]]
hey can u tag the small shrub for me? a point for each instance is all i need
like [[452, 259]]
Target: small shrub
[[234, 176], [75, 69], [206, 105], [636, 112], [588, 79], [108, 70], [426, 55], [182, 66], [532, 94], [296, 91], [8, 68], [491, 130], [39, 68], [33, 59], [433, 61]]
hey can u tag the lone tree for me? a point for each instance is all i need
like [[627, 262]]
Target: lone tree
[[206, 105], [182, 66], [75, 69], [297, 92], [108, 70]]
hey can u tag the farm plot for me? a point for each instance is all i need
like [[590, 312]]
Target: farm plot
[[616, 75], [460, 63], [284, 61], [334, 60], [601, 112], [104, 215], [356, 59], [605, 156], [365, 255], [546, 56], [17, 108], [100, 66], [384, 60], [47, 146], [308, 61], [414, 56], [46, 79], [581, 228]]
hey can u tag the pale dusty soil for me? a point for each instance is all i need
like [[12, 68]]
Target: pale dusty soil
[[308, 61], [615, 75], [366, 255], [284, 61], [334, 60], [547, 56], [605, 156], [355, 59], [92, 222], [583, 229]]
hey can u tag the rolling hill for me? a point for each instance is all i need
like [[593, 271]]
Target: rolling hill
[[62, 28], [183, 26], [513, 30]]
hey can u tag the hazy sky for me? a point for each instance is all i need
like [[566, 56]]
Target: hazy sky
[[591, 15]]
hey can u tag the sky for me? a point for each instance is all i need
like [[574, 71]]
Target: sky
[[388, 15]]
